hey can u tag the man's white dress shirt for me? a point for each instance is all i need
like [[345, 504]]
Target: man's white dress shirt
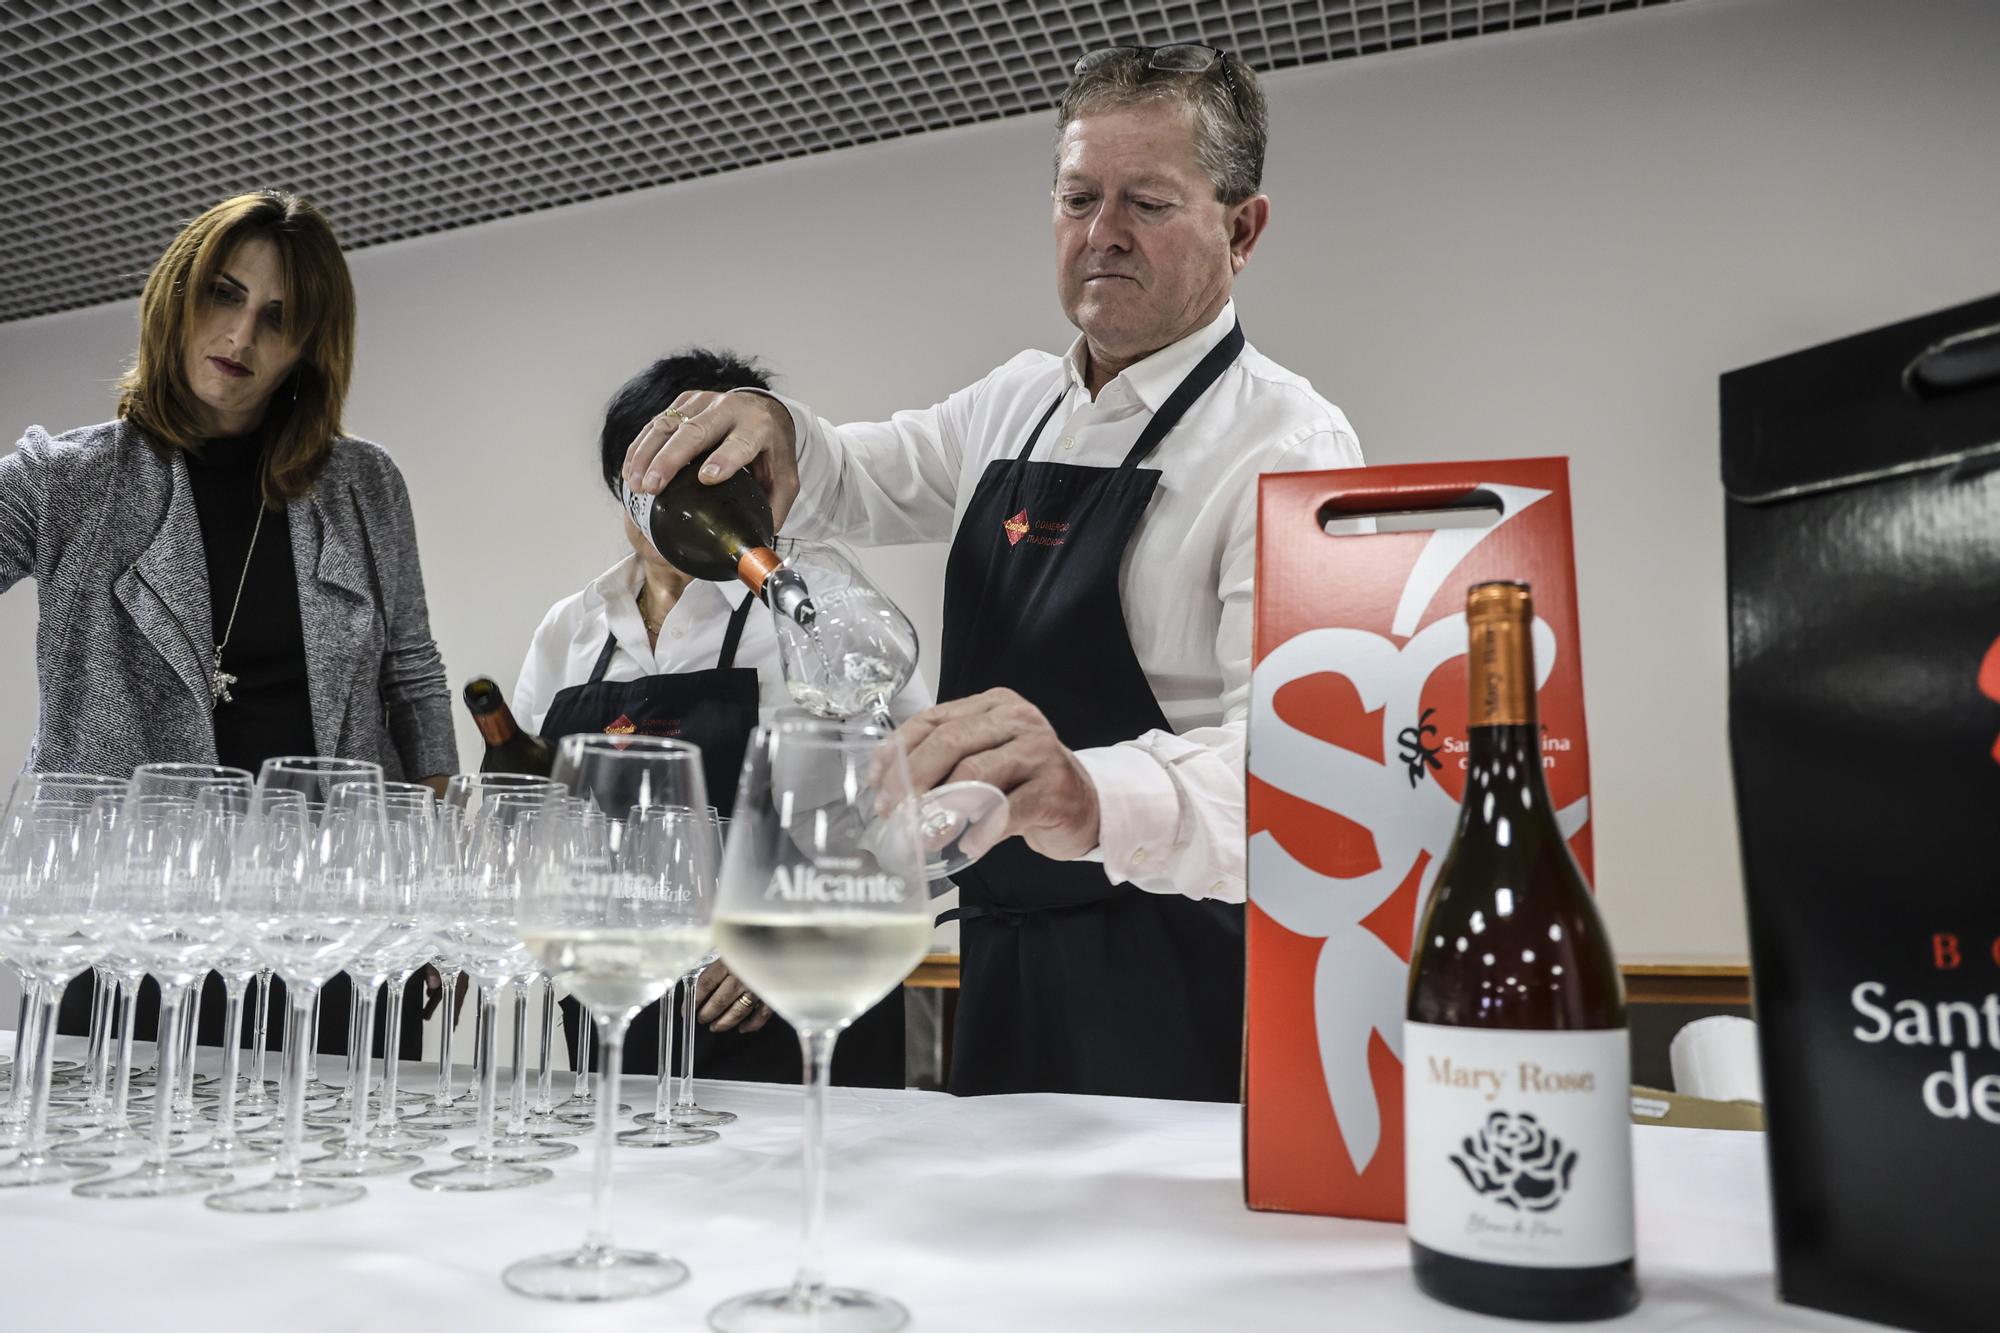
[[571, 635], [1171, 802]]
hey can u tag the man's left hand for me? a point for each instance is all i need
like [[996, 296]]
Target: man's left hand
[[1001, 738]]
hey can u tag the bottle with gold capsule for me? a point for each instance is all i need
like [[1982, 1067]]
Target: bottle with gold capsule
[[1516, 1063]]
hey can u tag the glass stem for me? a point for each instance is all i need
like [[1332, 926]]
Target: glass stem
[[361, 1057], [232, 1059], [586, 1042], [312, 1061], [809, 1287], [489, 1076], [164, 1080], [262, 1022], [101, 1001], [190, 1048], [613, 1025], [44, 1066], [392, 1033], [545, 1101], [27, 1041], [689, 989], [298, 1055], [353, 1021], [517, 1102], [664, 1078], [121, 1084], [443, 1099]]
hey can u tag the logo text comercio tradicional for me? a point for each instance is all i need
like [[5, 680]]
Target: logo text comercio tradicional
[[1035, 532], [810, 884]]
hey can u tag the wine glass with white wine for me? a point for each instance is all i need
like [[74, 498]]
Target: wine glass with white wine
[[822, 916]]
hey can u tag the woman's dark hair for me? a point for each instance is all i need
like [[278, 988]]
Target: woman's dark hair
[[653, 390]]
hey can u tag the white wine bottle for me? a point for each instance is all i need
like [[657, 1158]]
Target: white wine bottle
[[1516, 1062], [720, 532]]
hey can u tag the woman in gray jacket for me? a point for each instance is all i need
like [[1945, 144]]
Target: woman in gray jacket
[[222, 575]]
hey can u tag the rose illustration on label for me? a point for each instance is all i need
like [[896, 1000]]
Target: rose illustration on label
[[1516, 1162]]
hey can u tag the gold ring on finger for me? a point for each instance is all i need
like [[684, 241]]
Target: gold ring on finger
[[674, 412]]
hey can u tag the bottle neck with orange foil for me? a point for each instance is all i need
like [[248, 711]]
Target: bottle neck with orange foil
[[497, 727], [1503, 734]]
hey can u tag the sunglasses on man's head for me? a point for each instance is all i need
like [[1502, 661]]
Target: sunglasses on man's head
[[1177, 58]]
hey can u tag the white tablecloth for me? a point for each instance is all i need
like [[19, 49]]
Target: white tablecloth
[[1024, 1213]]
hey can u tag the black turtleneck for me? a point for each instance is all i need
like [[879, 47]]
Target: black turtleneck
[[270, 712]]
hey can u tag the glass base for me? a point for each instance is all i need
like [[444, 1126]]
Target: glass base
[[595, 1275], [513, 1148], [13, 1138], [152, 1181], [481, 1176], [452, 1118], [666, 1136], [549, 1126], [832, 1310], [128, 1142], [948, 815], [290, 1195], [47, 1170], [400, 1139], [699, 1117], [82, 1116], [347, 1162], [273, 1136], [226, 1155], [585, 1113]]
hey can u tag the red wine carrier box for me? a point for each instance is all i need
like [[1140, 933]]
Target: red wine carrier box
[[1356, 767]]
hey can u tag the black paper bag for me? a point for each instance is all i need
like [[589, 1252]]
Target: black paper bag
[[1863, 482]]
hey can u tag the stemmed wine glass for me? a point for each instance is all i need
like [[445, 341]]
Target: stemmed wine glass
[[308, 897], [848, 659], [616, 909], [164, 897], [479, 926], [680, 1123], [51, 926], [446, 861], [398, 945], [822, 916], [236, 962]]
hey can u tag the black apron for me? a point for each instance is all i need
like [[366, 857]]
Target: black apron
[[1068, 982], [714, 710]]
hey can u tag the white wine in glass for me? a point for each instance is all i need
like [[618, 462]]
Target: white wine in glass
[[823, 909]]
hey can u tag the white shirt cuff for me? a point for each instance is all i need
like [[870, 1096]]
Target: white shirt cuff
[[1138, 814]]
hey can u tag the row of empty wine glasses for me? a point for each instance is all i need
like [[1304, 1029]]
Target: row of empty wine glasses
[[612, 892]]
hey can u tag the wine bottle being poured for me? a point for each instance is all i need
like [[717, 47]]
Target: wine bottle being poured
[[720, 532]]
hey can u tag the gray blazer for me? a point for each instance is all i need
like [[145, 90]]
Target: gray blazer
[[106, 526]]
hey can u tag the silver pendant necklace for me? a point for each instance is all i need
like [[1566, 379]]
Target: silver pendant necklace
[[219, 680]]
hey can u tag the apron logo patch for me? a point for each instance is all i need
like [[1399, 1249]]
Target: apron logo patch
[[621, 727], [1044, 533]]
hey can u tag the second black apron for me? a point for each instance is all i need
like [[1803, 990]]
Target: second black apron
[[1069, 982], [715, 710]]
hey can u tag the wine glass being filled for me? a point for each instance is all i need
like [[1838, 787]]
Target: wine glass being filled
[[674, 640]]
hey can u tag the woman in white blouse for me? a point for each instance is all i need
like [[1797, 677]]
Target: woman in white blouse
[[646, 649]]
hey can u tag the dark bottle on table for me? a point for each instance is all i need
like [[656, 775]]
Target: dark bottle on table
[[509, 749], [720, 532], [1516, 1062]]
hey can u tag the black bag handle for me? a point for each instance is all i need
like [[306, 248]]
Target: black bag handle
[[1968, 360]]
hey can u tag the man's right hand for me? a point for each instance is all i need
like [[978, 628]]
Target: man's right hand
[[747, 430]]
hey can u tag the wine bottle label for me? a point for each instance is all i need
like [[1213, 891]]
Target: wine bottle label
[[1518, 1145], [639, 504]]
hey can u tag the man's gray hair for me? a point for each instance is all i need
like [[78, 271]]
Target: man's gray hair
[[1229, 132]]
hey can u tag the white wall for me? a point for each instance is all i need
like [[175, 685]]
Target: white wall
[[1549, 242]]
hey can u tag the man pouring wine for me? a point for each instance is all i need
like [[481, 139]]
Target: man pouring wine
[[1101, 509]]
